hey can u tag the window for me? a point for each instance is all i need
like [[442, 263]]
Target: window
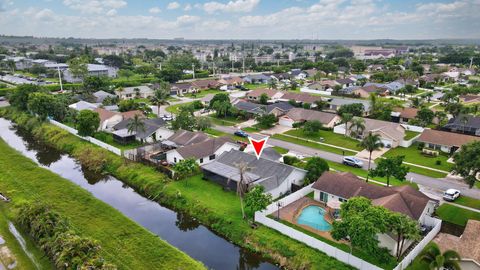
[[201, 160], [342, 200], [212, 157], [175, 160], [323, 196]]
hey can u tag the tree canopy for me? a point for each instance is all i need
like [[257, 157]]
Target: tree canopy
[[467, 162]]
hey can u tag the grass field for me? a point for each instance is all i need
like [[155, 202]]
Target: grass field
[[455, 214], [410, 135], [328, 137], [312, 145], [469, 202], [415, 156], [108, 138], [203, 93], [280, 150], [175, 108], [226, 121], [124, 242]]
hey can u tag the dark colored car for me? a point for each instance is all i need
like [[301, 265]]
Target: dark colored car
[[241, 133]]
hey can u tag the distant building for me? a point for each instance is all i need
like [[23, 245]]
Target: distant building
[[93, 70]]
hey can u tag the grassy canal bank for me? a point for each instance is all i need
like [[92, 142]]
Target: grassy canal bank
[[124, 243], [219, 212]]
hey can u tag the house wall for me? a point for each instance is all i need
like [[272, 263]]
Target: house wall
[[163, 133], [173, 156], [296, 177], [110, 122]]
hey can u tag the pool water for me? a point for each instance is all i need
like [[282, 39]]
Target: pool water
[[314, 216]]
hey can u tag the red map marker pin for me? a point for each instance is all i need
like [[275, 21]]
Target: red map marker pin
[[258, 145]]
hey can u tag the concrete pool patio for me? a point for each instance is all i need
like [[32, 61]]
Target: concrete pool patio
[[292, 211]]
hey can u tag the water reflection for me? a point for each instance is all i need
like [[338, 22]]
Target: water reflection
[[179, 229]]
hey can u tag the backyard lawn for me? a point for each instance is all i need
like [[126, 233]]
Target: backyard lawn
[[203, 93], [455, 214], [226, 121], [108, 138], [313, 145], [410, 135], [415, 156], [328, 137]]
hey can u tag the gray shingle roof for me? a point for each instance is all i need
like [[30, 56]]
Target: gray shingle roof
[[203, 149], [185, 137], [151, 125]]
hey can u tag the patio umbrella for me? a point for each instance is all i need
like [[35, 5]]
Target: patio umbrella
[[334, 204]]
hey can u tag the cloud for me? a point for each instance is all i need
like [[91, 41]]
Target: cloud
[[173, 5], [232, 6], [95, 6], [112, 12], [155, 10], [188, 7], [187, 20]]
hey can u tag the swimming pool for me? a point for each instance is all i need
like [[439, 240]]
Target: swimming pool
[[314, 216]]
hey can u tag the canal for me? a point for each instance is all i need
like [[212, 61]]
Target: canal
[[178, 229]]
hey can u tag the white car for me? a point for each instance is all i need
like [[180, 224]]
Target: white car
[[352, 161], [451, 194], [167, 117]]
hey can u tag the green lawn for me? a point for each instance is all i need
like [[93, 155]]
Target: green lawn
[[415, 156], [255, 86], [455, 214], [363, 173], [469, 202], [203, 93], [280, 150], [226, 121], [176, 108], [410, 135], [313, 145], [328, 137], [124, 242], [108, 138], [23, 261]]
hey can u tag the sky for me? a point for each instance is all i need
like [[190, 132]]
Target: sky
[[242, 19]]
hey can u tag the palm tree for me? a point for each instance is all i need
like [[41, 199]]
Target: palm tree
[[464, 121], [428, 96], [346, 118], [357, 127], [371, 142], [273, 84], [437, 260], [136, 124], [243, 183], [160, 96]]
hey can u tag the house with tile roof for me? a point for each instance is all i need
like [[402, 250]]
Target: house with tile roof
[[300, 115], [405, 200], [273, 95], [447, 142], [277, 178]]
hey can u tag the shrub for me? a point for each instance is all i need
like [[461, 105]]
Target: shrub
[[438, 162], [290, 160], [420, 145]]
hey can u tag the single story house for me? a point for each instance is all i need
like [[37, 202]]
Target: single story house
[[299, 115], [301, 98], [206, 84], [257, 79], [231, 81], [83, 105], [405, 200], [277, 109], [335, 103], [391, 134], [207, 98], [403, 115], [154, 130], [184, 137], [345, 82], [447, 142], [108, 119], [273, 95], [349, 90], [203, 152], [101, 95], [469, 99], [277, 178], [367, 89], [141, 91], [466, 124], [180, 89]]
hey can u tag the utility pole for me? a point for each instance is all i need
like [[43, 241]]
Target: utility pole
[[193, 69], [243, 64], [471, 62], [232, 65], [60, 79]]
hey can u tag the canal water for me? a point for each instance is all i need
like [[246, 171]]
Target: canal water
[[177, 228]]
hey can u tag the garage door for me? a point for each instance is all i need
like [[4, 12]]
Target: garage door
[[286, 122]]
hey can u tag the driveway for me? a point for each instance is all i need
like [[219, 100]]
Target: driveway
[[364, 154], [247, 123], [277, 129], [163, 108]]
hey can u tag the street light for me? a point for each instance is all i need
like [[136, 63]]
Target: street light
[[279, 205]]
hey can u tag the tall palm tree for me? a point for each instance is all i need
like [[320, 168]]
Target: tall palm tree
[[160, 96], [243, 183], [273, 84], [357, 127], [346, 118], [464, 121], [437, 260], [136, 124], [371, 142]]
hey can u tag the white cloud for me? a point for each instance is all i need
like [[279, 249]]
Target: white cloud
[[95, 6], [155, 10], [112, 12], [173, 5], [188, 7], [187, 20], [231, 6]]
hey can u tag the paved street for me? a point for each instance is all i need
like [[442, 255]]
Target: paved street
[[435, 183]]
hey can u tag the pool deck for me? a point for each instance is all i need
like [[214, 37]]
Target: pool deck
[[291, 212]]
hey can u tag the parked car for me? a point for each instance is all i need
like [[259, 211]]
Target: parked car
[[451, 194], [167, 117], [241, 133], [352, 161], [2, 99]]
